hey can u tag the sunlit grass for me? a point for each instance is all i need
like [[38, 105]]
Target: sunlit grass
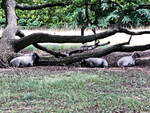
[[55, 47], [75, 92]]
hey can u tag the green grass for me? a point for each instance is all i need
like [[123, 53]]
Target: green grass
[[55, 47], [74, 92], [59, 47]]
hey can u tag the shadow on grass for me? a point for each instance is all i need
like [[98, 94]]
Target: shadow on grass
[[74, 91]]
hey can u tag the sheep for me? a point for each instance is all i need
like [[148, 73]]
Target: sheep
[[24, 61], [94, 62], [128, 60]]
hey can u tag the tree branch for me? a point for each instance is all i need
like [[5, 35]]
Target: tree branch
[[56, 54], [97, 53], [35, 7], [78, 57], [86, 48], [116, 4], [123, 30], [59, 54], [45, 37], [144, 6], [20, 33], [11, 19], [96, 45]]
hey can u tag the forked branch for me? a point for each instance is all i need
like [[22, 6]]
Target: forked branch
[[78, 57], [45, 37], [56, 54], [35, 7], [97, 53]]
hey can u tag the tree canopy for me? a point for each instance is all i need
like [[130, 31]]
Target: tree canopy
[[97, 13]]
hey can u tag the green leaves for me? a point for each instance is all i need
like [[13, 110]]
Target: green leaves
[[143, 17], [104, 6], [126, 20], [101, 13], [144, 12], [103, 22]]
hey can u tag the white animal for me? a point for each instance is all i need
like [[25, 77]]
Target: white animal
[[128, 60], [94, 62], [24, 61]]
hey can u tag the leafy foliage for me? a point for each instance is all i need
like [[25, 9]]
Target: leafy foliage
[[88, 13]]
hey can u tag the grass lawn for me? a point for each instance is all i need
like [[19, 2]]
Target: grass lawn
[[74, 92], [43, 91]]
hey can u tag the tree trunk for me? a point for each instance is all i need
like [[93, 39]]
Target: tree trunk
[[8, 35]]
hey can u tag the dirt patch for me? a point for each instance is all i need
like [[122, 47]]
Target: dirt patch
[[44, 70], [142, 65]]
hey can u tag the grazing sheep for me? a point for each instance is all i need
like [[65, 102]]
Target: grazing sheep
[[94, 62], [24, 61], [128, 60]]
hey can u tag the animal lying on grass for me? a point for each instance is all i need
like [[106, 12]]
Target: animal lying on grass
[[94, 62], [128, 60], [24, 61]]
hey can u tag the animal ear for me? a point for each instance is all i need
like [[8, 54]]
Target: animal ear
[[136, 55], [82, 63], [35, 56]]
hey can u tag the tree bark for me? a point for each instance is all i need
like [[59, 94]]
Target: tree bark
[[7, 41], [8, 35], [35, 7], [45, 37]]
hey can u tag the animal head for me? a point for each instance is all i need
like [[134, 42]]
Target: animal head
[[135, 55], [84, 63], [35, 57]]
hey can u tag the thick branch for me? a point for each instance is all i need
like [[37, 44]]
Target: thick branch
[[123, 30], [44, 37], [35, 7], [20, 33], [9, 7], [56, 54], [97, 53], [11, 29], [79, 57], [135, 48], [59, 54], [8, 35]]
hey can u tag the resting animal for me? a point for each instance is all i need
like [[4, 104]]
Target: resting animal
[[128, 60], [94, 62], [24, 61]]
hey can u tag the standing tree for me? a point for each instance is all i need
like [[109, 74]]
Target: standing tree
[[10, 46]]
